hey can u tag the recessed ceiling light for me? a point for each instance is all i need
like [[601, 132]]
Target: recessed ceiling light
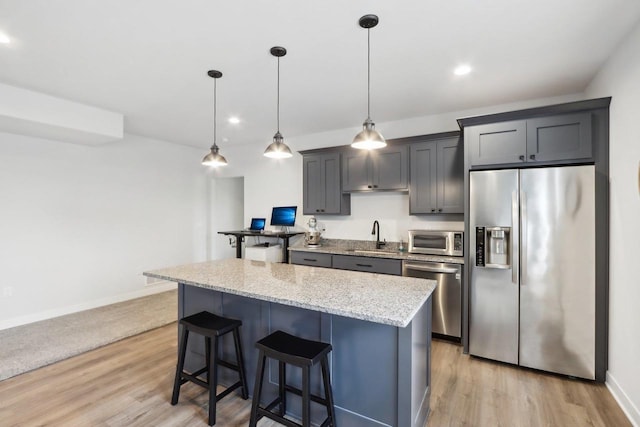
[[462, 70], [4, 39], [234, 120]]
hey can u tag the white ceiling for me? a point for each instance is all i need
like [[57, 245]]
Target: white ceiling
[[148, 58]]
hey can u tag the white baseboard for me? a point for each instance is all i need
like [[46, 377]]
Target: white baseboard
[[157, 287], [630, 410]]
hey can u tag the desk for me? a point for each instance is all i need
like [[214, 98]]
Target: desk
[[240, 235]]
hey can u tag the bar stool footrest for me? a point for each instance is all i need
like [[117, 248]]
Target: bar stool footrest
[[313, 397], [277, 418], [273, 404], [190, 377], [228, 390]]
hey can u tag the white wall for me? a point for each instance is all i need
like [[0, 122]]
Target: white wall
[[79, 224], [619, 78], [226, 213], [270, 182]]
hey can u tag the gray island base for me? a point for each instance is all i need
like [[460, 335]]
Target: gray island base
[[379, 327]]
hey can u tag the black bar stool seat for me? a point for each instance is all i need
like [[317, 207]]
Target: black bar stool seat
[[289, 349], [211, 327]]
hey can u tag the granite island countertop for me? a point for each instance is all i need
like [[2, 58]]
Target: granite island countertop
[[379, 298], [367, 249]]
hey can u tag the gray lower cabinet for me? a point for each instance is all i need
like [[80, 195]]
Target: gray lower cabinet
[[371, 265], [437, 177], [348, 262], [383, 169], [322, 192], [559, 138], [308, 258]]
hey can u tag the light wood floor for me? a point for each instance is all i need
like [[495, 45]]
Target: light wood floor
[[128, 383]]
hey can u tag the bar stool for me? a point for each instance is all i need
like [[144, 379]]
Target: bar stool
[[304, 354], [210, 326]]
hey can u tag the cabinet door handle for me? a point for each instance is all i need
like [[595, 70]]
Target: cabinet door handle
[[532, 157], [375, 186], [522, 158], [368, 186], [440, 210], [317, 210], [310, 259], [364, 265], [433, 210]]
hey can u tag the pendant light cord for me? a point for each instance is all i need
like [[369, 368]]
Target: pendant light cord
[[368, 73], [215, 97], [278, 98]]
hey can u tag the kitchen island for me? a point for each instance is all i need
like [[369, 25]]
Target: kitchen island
[[379, 327]]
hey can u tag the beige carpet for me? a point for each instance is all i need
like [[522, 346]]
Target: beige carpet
[[32, 346]]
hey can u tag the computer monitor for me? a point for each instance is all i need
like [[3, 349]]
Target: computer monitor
[[257, 224], [284, 216]]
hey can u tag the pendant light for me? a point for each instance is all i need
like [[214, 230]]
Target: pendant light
[[214, 158], [369, 138], [278, 149]]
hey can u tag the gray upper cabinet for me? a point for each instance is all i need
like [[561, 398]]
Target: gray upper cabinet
[[497, 143], [450, 181], [550, 139], [437, 177], [356, 171], [322, 193], [564, 137], [383, 169]]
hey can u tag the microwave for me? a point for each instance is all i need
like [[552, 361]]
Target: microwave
[[434, 242]]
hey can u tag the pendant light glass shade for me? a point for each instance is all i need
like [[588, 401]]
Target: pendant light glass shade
[[369, 138], [278, 149], [214, 158]]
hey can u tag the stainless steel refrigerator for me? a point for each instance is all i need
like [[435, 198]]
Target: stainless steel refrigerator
[[532, 284]]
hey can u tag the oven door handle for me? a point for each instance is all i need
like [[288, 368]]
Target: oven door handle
[[422, 267]]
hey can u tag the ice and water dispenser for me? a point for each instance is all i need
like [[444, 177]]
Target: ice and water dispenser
[[493, 247]]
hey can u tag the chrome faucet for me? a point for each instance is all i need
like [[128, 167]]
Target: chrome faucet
[[376, 228]]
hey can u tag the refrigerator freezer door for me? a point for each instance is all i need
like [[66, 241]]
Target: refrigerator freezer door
[[493, 292], [557, 292]]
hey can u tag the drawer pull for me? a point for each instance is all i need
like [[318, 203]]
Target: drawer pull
[[364, 265], [310, 259]]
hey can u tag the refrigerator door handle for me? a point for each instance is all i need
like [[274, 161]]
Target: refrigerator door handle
[[523, 238], [514, 237]]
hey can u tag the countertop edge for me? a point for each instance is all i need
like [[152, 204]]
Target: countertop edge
[[402, 323]]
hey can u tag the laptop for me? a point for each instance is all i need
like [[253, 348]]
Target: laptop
[[257, 224]]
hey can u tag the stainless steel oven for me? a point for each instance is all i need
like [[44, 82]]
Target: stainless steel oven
[[434, 242]]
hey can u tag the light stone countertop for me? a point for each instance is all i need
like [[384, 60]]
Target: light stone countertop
[[379, 298], [351, 248]]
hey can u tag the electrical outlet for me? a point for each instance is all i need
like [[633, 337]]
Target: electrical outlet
[[7, 291]]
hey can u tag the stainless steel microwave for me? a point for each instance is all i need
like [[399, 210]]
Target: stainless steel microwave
[[434, 242]]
